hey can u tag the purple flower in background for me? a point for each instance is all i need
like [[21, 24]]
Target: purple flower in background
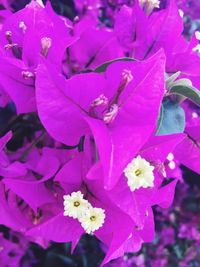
[[26, 36], [174, 243], [191, 8], [12, 252], [104, 47], [188, 151], [144, 35]]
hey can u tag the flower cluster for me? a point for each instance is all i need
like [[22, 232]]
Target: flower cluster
[[104, 109], [77, 207]]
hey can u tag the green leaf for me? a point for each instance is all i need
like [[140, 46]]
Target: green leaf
[[172, 119], [160, 119], [104, 66], [171, 79], [186, 91]]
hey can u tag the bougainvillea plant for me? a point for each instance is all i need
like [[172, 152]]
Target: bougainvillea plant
[[111, 102]]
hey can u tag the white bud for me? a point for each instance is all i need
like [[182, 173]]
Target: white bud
[[28, 74], [111, 114]]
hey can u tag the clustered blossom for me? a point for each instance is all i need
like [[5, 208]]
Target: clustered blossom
[[108, 112], [77, 207]]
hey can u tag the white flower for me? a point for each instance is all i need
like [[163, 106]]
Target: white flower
[[93, 220], [139, 173], [75, 205], [149, 5], [196, 48], [197, 35], [170, 156], [194, 115], [40, 3], [172, 165], [152, 3]]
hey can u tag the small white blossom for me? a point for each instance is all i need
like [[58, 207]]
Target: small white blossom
[[93, 220], [181, 13], [149, 5], [154, 3], [170, 156], [139, 173], [172, 165], [164, 173], [75, 205], [40, 3], [194, 115], [196, 48], [197, 35]]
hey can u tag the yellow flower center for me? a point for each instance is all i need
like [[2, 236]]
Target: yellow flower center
[[138, 172], [76, 204], [93, 218]]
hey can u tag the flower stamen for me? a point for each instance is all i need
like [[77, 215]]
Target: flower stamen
[[93, 218], [16, 50], [138, 172], [77, 204], [111, 114]]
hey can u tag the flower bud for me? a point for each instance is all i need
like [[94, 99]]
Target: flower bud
[[8, 35], [45, 45], [102, 100], [28, 74], [22, 26], [110, 115]]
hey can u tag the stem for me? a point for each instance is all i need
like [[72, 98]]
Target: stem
[[34, 143]]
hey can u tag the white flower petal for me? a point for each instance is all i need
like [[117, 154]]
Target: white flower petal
[[139, 173]]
